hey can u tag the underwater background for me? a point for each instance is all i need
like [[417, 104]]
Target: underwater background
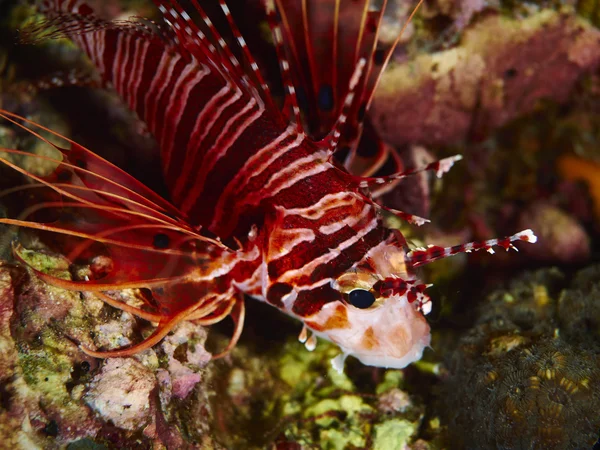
[[514, 87]]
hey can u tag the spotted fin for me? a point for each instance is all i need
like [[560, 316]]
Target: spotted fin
[[324, 42], [99, 216], [185, 82]]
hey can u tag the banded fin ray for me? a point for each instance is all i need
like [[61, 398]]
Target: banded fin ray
[[94, 171], [324, 41], [120, 236], [207, 111], [178, 34], [323, 55], [145, 237], [192, 92]]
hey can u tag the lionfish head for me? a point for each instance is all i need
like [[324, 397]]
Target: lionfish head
[[380, 320]]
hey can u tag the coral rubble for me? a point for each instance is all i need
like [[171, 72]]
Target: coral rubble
[[527, 375]]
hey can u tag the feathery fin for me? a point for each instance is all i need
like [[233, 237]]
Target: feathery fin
[[323, 55], [126, 235]]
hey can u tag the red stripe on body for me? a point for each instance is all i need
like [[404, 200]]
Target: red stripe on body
[[211, 203]]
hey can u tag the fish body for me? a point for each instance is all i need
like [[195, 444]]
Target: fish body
[[309, 239]]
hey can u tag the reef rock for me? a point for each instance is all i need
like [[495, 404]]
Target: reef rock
[[524, 377]]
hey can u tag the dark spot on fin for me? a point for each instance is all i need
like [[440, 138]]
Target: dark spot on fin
[[362, 110], [161, 241], [372, 25], [325, 97], [379, 56], [80, 163], [63, 175]]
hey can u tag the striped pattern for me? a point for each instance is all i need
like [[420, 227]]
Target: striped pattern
[[291, 228], [231, 163], [206, 125], [419, 256]]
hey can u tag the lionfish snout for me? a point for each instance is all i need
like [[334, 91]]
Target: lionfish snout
[[392, 332], [380, 320]]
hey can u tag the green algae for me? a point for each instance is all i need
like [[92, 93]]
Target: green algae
[[304, 386], [296, 364], [304, 401], [333, 408], [22, 15], [393, 434], [47, 367], [392, 379], [54, 265]]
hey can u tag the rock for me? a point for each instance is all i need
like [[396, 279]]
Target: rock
[[500, 70], [561, 238]]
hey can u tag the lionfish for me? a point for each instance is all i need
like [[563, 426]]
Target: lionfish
[[308, 236]]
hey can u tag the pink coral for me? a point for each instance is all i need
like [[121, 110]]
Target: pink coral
[[185, 374], [501, 69]]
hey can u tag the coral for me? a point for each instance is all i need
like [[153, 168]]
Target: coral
[[531, 354], [183, 371], [334, 411], [296, 398], [520, 376], [501, 69], [15, 398], [120, 393], [39, 380], [394, 433], [562, 239], [573, 167], [52, 394], [578, 308]]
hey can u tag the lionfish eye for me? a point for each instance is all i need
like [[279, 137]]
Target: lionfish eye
[[361, 298]]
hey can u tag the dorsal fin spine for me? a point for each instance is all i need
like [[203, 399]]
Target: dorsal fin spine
[[229, 59], [309, 48], [369, 90], [361, 31], [182, 23], [291, 100], [260, 84], [177, 14], [336, 23], [390, 52], [334, 135]]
